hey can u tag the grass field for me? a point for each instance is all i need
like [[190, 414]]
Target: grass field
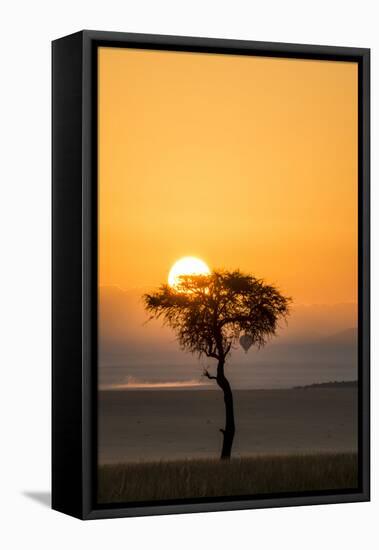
[[212, 478]]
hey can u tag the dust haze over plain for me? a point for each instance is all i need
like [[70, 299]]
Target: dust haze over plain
[[318, 344]]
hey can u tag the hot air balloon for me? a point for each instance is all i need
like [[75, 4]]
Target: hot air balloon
[[246, 342]]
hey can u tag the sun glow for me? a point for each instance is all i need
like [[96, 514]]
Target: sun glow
[[186, 266]]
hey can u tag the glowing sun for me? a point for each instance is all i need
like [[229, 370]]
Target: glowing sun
[[186, 266]]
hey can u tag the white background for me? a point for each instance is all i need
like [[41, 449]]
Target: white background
[[26, 31]]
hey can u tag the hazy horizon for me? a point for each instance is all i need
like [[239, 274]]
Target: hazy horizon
[[316, 345]]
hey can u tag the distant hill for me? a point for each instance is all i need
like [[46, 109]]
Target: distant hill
[[348, 336], [123, 325], [317, 345], [335, 384]]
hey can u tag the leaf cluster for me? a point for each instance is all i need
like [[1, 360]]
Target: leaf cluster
[[208, 313]]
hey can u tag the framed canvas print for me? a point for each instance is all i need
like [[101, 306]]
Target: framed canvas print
[[210, 274]]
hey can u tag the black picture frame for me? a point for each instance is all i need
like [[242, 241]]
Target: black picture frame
[[74, 270]]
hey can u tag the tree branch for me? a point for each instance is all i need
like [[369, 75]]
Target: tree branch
[[236, 319], [207, 375], [211, 354], [227, 349]]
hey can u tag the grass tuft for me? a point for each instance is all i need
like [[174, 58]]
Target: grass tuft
[[172, 480]]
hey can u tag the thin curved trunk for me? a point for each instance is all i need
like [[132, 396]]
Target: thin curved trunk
[[229, 430]]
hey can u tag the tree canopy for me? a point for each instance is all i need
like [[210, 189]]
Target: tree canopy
[[209, 312]]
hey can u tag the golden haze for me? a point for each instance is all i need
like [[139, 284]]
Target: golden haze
[[244, 162]]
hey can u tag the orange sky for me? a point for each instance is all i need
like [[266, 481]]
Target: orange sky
[[244, 162]]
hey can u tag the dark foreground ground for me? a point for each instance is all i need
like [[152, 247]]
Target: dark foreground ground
[[151, 426], [199, 478]]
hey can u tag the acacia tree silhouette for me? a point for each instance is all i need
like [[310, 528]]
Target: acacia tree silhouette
[[209, 313]]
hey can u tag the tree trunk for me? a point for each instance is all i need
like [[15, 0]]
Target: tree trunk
[[229, 430]]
